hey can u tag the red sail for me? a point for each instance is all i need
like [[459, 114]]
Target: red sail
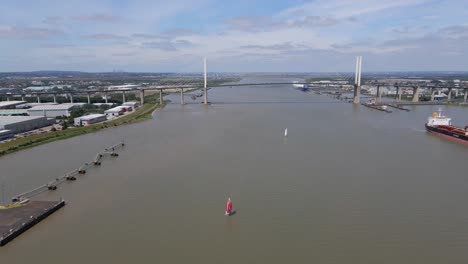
[[229, 206]]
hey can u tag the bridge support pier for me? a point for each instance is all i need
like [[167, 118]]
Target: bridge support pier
[[161, 97], [71, 98], [38, 99], [415, 94], [398, 94], [89, 99], [449, 95], [433, 91], [182, 102], [466, 96], [8, 98], [105, 97], [142, 97], [123, 97], [55, 98], [357, 94], [22, 98]]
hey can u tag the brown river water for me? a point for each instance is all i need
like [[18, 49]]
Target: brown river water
[[348, 185]]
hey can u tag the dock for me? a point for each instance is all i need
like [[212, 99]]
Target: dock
[[377, 107], [398, 107], [14, 221], [22, 214]]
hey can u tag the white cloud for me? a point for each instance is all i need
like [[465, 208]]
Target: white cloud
[[346, 8]]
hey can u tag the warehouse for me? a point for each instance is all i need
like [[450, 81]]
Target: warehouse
[[52, 110], [126, 108], [133, 104], [18, 124], [113, 112], [13, 112], [90, 119], [10, 104]]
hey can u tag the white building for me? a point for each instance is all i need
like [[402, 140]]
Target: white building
[[10, 104], [89, 119], [133, 104], [52, 110], [126, 108], [114, 112]]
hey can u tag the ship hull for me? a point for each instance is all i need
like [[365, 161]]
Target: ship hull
[[448, 134]]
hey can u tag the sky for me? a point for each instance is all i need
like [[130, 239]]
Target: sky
[[234, 36]]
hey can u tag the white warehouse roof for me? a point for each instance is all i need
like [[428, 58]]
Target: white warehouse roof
[[10, 103], [115, 109], [51, 107], [91, 116]]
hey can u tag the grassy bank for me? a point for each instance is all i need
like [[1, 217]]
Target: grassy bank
[[141, 114]]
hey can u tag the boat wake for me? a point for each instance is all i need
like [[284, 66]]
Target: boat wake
[[418, 130]]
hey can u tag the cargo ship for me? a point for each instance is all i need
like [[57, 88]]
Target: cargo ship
[[442, 126]]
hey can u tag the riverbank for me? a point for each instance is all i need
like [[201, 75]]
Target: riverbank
[[141, 114]]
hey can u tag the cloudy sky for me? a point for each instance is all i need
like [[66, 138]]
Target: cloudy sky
[[241, 36]]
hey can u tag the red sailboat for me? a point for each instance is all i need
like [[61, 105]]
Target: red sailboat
[[228, 207]]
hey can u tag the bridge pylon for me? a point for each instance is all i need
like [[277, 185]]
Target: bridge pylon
[[357, 80]]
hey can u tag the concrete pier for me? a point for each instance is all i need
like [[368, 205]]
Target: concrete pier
[[449, 95], [71, 98], [38, 99], [123, 97], [89, 99], [357, 94], [15, 221], [398, 93], [22, 98], [161, 97], [55, 98], [182, 102], [465, 96], [416, 94], [105, 97], [142, 97]]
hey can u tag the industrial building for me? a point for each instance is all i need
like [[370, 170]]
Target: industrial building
[[52, 110], [89, 119], [126, 108], [133, 104], [10, 104], [18, 124], [113, 112], [13, 112]]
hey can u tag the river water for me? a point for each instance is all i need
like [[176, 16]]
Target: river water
[[348, 185]]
